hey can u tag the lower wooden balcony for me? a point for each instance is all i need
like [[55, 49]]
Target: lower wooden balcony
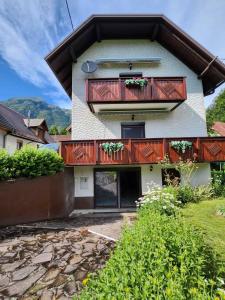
[[142, 151]]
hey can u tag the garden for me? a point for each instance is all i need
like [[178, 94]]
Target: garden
[[175, 248]]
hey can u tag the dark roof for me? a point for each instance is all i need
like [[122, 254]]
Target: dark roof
[[13, 122], [153, 27], [219, 127]]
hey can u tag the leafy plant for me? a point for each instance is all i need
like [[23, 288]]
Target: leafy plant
[[159, 257], [218, 181], [221, 211], [181, 146], [29, 162], [163, 199], [111, 147], [6, 165], [136, 82], [185, 168]]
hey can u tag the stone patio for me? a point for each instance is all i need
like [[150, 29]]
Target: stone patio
[[50, 260]]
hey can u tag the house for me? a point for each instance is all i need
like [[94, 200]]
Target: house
[[219, 128], [137, 81], [16, 131]]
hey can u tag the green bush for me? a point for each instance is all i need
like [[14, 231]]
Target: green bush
[[29, 162], [6, 167], [218, 181], [159, 257], [188, 193]]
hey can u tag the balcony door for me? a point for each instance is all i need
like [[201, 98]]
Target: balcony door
[[132, 130], [118, 188]]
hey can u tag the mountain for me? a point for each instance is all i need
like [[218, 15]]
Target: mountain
[[54, 115], [216, 111]]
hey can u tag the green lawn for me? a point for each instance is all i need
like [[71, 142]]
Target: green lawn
[[204, 215]]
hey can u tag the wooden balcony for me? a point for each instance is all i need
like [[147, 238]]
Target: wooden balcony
[[141, 151], [112, 94]]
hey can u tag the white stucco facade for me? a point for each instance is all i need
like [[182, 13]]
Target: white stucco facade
[[200, 176], [187, 120], [11, 142]]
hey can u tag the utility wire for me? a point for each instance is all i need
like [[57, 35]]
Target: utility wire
[[69, 15]]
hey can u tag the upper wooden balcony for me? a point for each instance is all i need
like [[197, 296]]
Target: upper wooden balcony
[[142, 151], [111, 94]]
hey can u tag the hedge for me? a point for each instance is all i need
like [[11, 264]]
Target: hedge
[[159, 257], [29, 162]]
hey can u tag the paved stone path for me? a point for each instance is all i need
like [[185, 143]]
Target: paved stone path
[[50, 260]]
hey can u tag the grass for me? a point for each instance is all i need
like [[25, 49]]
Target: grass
[[204, 215]]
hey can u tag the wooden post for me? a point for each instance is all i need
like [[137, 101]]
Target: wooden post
[[130, 151]]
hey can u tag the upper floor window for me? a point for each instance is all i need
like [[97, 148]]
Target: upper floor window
[[19, 144], [132, 130]]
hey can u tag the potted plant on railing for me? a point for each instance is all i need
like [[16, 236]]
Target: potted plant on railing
[[136, 82], [110, 147], [181, 146]]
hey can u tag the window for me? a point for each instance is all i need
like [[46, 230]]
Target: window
[[170, 176], [133, 130], [19, 145]]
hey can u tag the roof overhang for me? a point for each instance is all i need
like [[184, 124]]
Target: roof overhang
[[134, 108], [153, 27]]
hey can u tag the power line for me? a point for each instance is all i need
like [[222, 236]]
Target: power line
[[69, 15]]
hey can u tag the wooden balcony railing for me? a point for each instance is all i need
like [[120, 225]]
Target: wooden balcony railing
[[114, 90], [142, 151]]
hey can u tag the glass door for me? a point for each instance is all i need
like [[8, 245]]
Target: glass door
[[106, 189]]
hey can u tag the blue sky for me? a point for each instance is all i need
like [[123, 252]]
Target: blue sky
[[29, 29]]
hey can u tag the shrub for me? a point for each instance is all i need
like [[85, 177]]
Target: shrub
[[159, 257], [5, 165], [188, 193], [218, 181], [31, 162], [162, 199]]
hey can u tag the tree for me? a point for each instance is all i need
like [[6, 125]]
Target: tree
[[54, 130], [216, 111], [63, 131]]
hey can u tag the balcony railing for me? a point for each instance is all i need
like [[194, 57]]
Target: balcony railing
[[114, 90], [142, 151]]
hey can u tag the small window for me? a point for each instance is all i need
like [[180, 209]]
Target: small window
[[170, 176], [133, 130], [19, 145], [83, 183]]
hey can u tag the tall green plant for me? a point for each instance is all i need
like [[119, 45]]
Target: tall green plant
[[160, 257], [31, 162], [6, 165]]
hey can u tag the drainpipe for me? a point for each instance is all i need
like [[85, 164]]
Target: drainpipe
[[4, 139]]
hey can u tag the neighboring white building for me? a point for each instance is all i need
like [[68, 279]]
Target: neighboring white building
[[169, 107], [16, 132]]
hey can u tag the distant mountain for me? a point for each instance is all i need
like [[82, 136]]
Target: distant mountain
[[54, 115]]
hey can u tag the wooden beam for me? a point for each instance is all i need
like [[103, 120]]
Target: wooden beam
[[155, 32], [73, 54], [207, 68], [98, 33]]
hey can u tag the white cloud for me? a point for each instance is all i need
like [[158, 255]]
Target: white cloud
[[29, 30]]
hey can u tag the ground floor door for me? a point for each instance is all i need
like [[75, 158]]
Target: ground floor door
[[117, 188]]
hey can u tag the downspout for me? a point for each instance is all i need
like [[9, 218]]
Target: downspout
[[4, 139]]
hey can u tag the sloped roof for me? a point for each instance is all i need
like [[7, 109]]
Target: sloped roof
[[152, 27], [14, 123], [34, 122], [219, 127]]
